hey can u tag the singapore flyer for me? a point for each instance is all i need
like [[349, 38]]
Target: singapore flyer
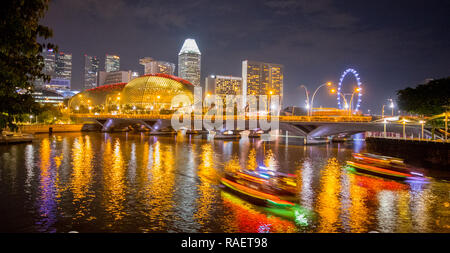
[[358, 80]]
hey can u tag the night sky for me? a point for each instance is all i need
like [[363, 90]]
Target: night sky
[[392, 44]]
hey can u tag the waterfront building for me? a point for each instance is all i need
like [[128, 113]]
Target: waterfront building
[[63, 68], [46, 96], [189, 62], [59, 67], [105, 78], [112, 63], [91, 68], [152, 66], [260, 78], [145, 93], [223, 85]]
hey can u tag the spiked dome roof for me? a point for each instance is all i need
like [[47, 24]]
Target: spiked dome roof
[[189, 46]]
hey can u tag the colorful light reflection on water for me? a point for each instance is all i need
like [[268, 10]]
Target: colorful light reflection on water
[[96, 182]]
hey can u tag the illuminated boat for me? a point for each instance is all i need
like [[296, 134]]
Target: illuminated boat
[[227, 135], [384, 166], [267, 181], [269, 203], [254, 194]]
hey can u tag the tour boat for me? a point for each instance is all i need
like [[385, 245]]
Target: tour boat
[[385, 166], [227, 135], [254, 195]]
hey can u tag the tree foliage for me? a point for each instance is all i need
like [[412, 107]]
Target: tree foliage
[[426, 99], [20, 60]]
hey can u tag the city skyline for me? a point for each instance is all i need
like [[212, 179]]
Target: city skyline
[[315, 42]]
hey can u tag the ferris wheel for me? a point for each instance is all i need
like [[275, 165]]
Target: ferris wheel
[[358, 80]]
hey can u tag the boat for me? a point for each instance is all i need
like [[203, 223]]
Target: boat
[[269, 202], [384, 166], [227, 135], [254, 194]]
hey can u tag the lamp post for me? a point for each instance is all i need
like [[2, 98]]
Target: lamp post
[[343, 97], [314, 94], [404, 132], [422, 123], [307, 99], [357, 90], [384, 133], [392, 107]]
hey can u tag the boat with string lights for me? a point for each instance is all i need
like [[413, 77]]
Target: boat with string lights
[[384, 166]]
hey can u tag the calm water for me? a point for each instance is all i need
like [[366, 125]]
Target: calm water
[[96, 182]]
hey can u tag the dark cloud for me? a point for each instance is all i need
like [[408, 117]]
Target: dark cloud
[[392, 44]]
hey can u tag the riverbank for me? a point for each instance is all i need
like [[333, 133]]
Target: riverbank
[[428, 154]]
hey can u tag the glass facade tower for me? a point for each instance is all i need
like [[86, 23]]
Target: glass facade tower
[[91, 68], [112, 63], [259, 78], [189, 62]]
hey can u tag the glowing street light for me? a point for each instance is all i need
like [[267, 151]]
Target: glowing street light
[[314, 94], [391, 105], [404, 124], [357, 90], [307, 99], [422, 122]]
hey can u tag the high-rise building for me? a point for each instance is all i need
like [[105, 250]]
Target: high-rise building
[[152, 66], [112, 63], [63, 68], [189, 62], [91, 68], [223, 85], [59, 67], [259, 78], [113, 77]]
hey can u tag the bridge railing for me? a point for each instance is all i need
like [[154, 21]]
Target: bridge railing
[[234, 117]]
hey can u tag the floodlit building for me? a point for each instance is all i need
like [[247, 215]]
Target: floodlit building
[[259, 78], [59, 67], [46, 96], [223, 85], [105, 78], [91, 68], [112, 63], [145, 93], [189, 62], [63, 68], [152, 66]]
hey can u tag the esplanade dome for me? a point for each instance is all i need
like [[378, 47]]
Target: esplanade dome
[[155, 90]]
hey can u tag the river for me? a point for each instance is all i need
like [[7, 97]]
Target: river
[[132, 182]]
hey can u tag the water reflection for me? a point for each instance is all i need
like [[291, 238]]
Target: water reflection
[[136, 183]]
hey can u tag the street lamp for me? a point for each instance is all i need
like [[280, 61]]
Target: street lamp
[[384, 121], [343, 97], [404, 132], [307, 99], [422, 123], [31, 116], [392, 107], [357, 90], [314, 94]]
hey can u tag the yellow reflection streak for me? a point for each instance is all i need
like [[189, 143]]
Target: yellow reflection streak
[[159, 205], [81, 178], [358, 208], [207, 175], [114, 175], [328, 205]]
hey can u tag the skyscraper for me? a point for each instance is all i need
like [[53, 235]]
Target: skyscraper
[[91, 68], [223, 85], [63, 68], [259, 78], [189, 62], [112, 63], [152, 66]]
